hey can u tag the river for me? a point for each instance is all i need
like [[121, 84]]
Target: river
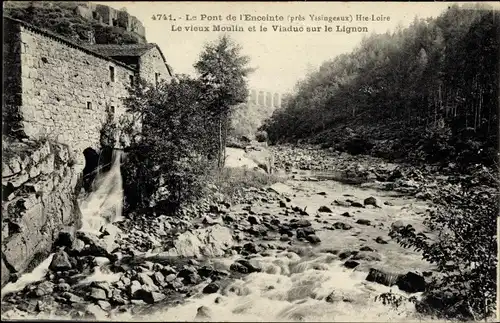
[[298, 281]]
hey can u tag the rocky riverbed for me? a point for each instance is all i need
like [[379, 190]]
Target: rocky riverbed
[[315, 247]]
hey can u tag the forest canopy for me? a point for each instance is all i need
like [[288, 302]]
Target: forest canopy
[[428, 92]]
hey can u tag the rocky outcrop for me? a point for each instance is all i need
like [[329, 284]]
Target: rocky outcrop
[[209, 242], [262, 156], [38, 184]]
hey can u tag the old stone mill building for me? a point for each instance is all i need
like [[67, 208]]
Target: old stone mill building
[[57, 96]]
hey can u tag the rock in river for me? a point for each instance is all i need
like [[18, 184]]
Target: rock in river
[[244, 266], [342, 226], [312, 238], [411, 282], [209, 242], [382, 277], [203, 312], [351, 264], [60, 262], [302, 223], [363, 222], [211, 288], [96, 246], [325, 209], [304, 232], [98, 294], [372, 201]]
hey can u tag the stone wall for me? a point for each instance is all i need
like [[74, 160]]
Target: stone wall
[[12, 80], [66, 92], [85, 12], [151, 63], [58, 97], [137, 27], [118, 18], [39, 182]]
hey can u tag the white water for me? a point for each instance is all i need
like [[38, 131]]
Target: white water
[[35, 276], [104, 204], [101, 274], [100, 208], [291, 288]]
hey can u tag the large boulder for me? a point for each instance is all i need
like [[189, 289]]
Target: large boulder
[[60, 262], [209, 242], [382, 277], [263, 157], [411, 282], [95, 246]]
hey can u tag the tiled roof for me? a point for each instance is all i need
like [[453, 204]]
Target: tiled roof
[[105, 51], [113, 50], [63, 40], [132, 50]]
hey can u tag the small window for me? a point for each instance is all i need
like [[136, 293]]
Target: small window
[[89, 105], [110, 109], [111, 112], [131, 77], [112, 73], [157, 79]]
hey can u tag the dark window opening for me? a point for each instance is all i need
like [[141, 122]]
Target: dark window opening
[[91, 164], [110, 110], [112, 73], [131, 77], [157, 79], [89, 105]]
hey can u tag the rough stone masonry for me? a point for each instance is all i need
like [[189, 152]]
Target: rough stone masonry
[[57, 97]]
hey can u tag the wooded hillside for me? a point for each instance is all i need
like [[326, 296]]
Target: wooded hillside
[[428, 92]]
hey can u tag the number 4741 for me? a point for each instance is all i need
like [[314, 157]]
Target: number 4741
[[162, 16]]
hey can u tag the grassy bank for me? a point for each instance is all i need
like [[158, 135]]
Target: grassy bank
[[232, 182]]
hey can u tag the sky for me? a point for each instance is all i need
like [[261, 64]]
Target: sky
[[280, 58]]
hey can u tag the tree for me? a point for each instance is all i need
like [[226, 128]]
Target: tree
[[167, 161], [401, 86], [464, 252], [223, 71]]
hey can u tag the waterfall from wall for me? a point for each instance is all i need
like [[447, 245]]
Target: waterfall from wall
[[101, 207], [105, 202]]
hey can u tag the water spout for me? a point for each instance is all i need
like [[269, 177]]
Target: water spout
[[104, 204]]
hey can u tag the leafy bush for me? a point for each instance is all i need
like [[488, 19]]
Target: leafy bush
[[232, 181], [464, 252], [358, 145], [167, 165], [436, 142], [236, 142], [261, 136]]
